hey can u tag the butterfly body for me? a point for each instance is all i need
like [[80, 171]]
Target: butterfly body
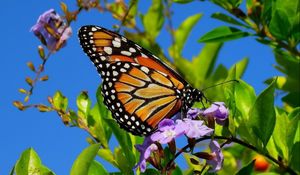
[[138, 88]]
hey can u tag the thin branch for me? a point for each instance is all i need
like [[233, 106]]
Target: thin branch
[[38, 73], [235, 140]]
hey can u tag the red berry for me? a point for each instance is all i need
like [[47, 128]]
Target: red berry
[[261, 163]]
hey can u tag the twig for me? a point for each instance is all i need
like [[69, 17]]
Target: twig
[[232, 139]]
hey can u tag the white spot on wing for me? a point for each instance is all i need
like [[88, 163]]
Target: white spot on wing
[[132, 49], [108, 50], [145, 69], [116, 44], [125, 53]]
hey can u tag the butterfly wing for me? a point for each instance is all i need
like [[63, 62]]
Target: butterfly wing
[[138, 88]]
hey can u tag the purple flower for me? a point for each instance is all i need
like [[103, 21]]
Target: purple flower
[[167, 131], [145, 151], [52, 30], [193, 113], [217, 110], [193, 128], [216, 159]]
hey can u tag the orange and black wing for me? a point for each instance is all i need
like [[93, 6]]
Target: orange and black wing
[[138, 88]]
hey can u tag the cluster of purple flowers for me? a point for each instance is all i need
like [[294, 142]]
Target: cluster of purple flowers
[[52, 30], [192, 128]]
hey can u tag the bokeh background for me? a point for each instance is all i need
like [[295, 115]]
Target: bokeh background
[[71, 72]]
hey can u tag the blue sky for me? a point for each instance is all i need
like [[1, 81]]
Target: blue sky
[[70, 71]]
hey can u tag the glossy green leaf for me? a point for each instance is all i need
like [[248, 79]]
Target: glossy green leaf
[[181, 35], [244, 98], [104, 113], [240, 67], [222, 34], [124, 140], [60, 101], [262, 114], [96, 169], [153, 20], [295, 158], [266, 13], [121, 158], [290, 7], [96, 126], [271, 147], [30, 163], [220, 73], [280, 134], [228, 19], [107, 155], [293, 139], [279, 25], [248, 169], [288, 64], [83, 103], [84, 161], [204, 63]]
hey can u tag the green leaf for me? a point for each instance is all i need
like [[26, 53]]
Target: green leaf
[[266, 13], [228, 19], [295, 158], [85, 160], [244, 98], [262, 114], [60, 101], [220, 73], [96, 126], [204, 63], [280, 133], [151, 171], [153, 20], [287, 64], [30, 163], [279, 25], [240, 67], [222, 34], [181, 35], [248, 169], [121, 157], [96, 168], [124, 140], [107, 155], [104, 113], [293, 140], [83, 103]]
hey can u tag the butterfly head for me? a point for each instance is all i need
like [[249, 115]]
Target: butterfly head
[[197, 95], [191, 95]]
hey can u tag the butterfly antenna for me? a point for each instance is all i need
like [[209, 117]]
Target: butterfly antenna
[[225, 82], [125, 16]]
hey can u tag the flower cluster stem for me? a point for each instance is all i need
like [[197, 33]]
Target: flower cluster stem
[[238, 141]]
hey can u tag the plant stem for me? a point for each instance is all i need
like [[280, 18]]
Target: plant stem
[[236, 140]]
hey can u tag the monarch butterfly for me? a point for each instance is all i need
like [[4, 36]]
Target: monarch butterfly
[[138, 88]]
